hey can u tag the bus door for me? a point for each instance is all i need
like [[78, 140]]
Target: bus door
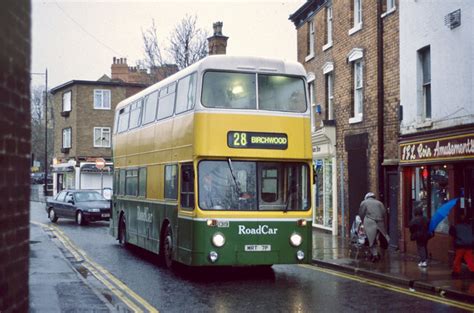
[[186, 208]]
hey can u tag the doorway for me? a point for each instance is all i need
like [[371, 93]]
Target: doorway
[[392, 205]]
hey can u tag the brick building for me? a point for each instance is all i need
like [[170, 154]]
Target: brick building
[[350, 51], [84, 113], [15, 146]]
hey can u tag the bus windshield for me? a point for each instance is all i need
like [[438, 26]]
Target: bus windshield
[[238, 91], [244, 186]]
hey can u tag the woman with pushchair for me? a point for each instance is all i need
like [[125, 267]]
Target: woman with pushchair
[[374, 216]]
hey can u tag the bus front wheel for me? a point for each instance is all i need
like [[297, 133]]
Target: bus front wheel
[[168, 248]]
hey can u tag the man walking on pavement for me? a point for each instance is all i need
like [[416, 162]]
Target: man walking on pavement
[[374, 216]]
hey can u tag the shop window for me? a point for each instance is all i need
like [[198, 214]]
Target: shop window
[[439, 194], [419, 190], [324, 194]]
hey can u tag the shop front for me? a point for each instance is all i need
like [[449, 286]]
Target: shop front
[[436, 168], [325, 186]]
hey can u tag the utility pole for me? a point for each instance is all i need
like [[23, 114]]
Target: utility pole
[[46, 136]]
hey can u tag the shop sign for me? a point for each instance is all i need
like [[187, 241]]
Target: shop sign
[[445, 148]]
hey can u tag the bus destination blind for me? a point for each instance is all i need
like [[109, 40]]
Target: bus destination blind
[[254, 140]]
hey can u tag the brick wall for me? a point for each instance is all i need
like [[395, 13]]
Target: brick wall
[[83, 118], [15, 146], [343, 43]]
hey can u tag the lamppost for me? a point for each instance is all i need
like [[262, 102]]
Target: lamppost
[[45, 130]]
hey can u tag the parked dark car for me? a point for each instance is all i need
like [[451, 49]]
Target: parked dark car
[[81, 205], [38, 178]]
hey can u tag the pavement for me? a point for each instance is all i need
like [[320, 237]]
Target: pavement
[[398, 268], [55, 284]]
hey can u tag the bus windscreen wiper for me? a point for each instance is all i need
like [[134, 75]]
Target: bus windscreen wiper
[[237, 186]]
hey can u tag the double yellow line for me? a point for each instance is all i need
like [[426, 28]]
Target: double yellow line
[[117, 287], [421, 295]]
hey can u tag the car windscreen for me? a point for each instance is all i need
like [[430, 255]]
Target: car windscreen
[[88, 196], [245, 186]]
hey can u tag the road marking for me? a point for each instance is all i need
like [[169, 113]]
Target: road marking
[[425, 296], [120, 289]]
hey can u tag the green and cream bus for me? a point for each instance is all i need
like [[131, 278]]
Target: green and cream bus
[[213, 165]]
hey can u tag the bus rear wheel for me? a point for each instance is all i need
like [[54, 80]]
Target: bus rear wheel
[[167, 248]]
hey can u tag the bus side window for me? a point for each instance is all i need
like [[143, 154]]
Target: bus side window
[[187, 186], [123, 119], [171, 182], [142, 182], [185, 97], [131, 182], [121, 190], [166, 102]]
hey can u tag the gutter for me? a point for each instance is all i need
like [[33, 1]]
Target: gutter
[[380, 104]]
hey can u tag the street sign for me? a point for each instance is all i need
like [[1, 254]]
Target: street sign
[[100, 163]]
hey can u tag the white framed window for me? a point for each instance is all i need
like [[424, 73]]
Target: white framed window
[[101, 99], [67, 101], [358, 89], [328, 28], [330, 96], [389, 7], [310, 41], [424, 82], [102, 137], [67, 132], [357, 17]]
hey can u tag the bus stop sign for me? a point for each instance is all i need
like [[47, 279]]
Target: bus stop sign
[[100, 163]]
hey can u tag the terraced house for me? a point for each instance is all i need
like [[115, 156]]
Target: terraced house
[[350, 50]]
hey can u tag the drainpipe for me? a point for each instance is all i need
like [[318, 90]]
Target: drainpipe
[[380, 103]]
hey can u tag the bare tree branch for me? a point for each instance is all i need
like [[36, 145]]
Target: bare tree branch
[[188, 44]]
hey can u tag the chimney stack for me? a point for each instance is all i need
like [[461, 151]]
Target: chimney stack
[[217, 43]]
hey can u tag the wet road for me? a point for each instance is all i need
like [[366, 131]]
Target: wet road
[[278, 289]]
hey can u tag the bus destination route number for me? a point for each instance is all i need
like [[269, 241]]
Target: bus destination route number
[[254, 140]]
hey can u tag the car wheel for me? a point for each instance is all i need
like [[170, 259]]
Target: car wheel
[[168, 248], [122, 236], [52, 216], [80, 218]]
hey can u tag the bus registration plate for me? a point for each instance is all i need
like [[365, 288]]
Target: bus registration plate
[[258, 248]]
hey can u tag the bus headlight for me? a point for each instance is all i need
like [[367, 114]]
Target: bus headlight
[[295, 240], [218, 240]]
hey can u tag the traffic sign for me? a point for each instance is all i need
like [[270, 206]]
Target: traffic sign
[[100, 163]]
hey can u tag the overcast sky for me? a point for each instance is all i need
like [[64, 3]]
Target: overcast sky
[[78, 39]]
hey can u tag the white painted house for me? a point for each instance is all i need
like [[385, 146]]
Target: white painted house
[[436, 144]]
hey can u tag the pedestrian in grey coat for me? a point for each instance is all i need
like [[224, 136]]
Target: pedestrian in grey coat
[[374, 216]]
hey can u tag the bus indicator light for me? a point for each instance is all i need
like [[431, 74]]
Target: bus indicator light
[[301, 222], [211, 223]]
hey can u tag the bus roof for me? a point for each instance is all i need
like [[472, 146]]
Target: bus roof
[[230, 63]]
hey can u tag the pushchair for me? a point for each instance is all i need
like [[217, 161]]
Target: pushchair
[[358, 237]]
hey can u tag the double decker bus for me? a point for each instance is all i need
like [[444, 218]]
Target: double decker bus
[[213, 165]]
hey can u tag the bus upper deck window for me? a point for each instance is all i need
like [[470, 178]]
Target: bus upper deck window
[[229, 90], [281, 93]]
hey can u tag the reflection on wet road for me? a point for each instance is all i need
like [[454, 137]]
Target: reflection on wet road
[[281, 288]]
